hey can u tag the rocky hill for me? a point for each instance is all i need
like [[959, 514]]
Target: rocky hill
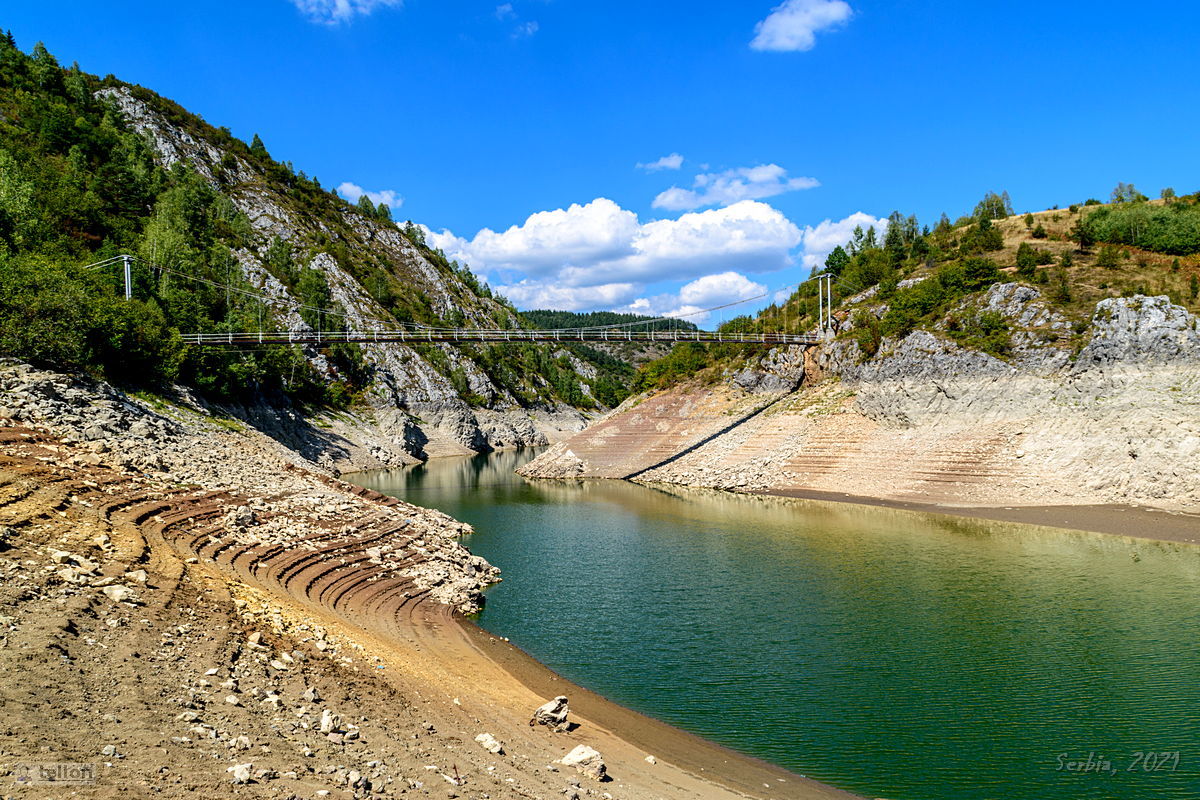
[[91, 167], [1025, 365], [928, 420]]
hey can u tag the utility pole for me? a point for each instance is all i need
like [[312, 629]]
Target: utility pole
[[128, 278], [821, 306], [824, 305]]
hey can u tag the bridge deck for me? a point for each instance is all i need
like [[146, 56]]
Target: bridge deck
[[497, 337]]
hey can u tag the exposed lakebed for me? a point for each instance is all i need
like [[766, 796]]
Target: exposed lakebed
[[898, 655]]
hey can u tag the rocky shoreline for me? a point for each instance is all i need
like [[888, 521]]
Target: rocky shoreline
[[927, 421], [193, 607]]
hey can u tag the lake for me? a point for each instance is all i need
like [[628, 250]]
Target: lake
[[899, 655]]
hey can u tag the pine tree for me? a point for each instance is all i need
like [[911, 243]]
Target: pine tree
[[836, 261], [258, 149], [1026, 261]]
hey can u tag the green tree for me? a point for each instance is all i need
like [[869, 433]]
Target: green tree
[[1039, 232], [993, 206], [1108, 257], [836, 261], [1028, 221], [1081, 233], [1193, 286], [18, 215], [258, 149], [1026, 261], [979, 273], [1126, 193]]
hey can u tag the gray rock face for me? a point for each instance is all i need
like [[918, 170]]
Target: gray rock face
[[404, 381], [781, 370], [1140, 330]]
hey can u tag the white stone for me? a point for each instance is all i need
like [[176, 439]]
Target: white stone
[[240, 772], [490, 743], [587, 761]]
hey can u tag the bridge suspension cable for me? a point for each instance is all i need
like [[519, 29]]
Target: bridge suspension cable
[[395, 331]]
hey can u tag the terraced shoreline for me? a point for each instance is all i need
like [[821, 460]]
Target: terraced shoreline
[[190, 610]]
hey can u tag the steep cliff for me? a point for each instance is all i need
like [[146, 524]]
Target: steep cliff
[[413, 406], [926, 419]]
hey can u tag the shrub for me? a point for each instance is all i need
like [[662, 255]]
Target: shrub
[[867, 333], [1108, 257], [1026, 260]]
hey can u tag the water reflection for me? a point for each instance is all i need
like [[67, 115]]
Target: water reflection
[[897, 654]]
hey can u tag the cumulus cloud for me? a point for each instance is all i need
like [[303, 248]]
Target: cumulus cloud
[[732, 186], [819, 241], [794, 25], [599, 255], [352, 191], [332, 12], [598, 232], [692, 300], [544, 294], [673, 161], [505, 11]]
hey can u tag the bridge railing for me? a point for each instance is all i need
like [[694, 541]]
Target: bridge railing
[[494, 336]]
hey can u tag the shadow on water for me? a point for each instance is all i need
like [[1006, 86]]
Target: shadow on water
[[897, 654]]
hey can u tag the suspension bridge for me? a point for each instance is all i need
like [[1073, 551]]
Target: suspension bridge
[[496, 336], [417, 334]]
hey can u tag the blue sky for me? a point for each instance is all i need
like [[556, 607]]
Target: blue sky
[[764, 131]]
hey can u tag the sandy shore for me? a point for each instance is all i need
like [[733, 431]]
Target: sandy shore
[[1116, 520]]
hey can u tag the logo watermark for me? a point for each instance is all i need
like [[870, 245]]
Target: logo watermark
[[1095, 763], [57, 773]]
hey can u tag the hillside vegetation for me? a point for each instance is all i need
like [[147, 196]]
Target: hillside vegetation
[[228, 224], [915, 276]]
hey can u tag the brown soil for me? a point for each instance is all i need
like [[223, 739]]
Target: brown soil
[[1137, 523], [275, 623]]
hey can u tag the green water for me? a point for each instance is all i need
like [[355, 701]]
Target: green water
[[913, 657]]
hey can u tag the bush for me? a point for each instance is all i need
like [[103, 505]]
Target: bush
[[1173, 229], [987, 331], [1108, 257]]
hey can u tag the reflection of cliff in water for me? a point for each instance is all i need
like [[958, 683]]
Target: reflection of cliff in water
[[458, 474]]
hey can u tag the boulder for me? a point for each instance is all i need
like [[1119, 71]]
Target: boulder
[[587, 760], [552, 714]]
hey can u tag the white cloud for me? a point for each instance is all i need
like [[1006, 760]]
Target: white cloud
[[715, 290], [793, 25], [732, 186], [692, 300], [598, 232], [332, 12], [820, 241], [598, 255], [505, 11], [543, 294], [673, 161], [525, 29], [352, 191]]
